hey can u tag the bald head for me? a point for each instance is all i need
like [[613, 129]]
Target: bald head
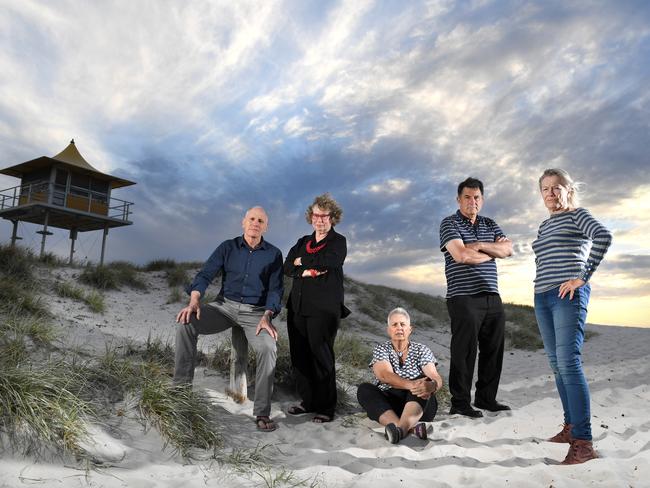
[[259, 209], [255, 223]]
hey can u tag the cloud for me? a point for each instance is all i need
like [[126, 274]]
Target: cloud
[[214, 106]]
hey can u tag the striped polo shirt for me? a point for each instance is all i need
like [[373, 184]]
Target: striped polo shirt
[[469, 279], [569, 245]]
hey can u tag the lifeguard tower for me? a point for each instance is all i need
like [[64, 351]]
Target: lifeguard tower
[[66, 192]]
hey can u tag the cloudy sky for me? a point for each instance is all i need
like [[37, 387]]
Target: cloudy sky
[[219, 105]]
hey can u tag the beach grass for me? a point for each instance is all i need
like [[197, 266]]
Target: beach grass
[[176, 276], [521, 327], [176, 296], [159, 265], [93, 299], [20, 297], [352, 351], [52, 260], [113, 276], [16, 262], [184, 418], [39, 409]]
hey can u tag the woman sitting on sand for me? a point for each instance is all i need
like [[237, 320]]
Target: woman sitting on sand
[[406, 382]]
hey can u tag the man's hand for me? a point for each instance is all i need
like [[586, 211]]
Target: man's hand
[[312, 273], [194, 306], [297, 261], [570, 287], [424, 388], [265, 324], [500, 248]]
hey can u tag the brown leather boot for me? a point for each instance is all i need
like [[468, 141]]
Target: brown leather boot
[[564, 436], [580, 451]]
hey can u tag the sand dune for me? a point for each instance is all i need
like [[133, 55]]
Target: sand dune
[[505, 449]]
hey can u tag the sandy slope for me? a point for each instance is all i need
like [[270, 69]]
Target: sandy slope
[[496, 451]]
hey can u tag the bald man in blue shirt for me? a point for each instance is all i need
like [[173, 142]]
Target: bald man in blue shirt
[[250, 296]]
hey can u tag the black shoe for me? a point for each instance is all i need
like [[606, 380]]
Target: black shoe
[[466, 411], [492, 407], [393, 433]]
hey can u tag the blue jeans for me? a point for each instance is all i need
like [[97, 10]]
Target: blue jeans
[[562, 326]]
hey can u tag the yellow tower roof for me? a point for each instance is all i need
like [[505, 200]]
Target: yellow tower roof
[[70, 156]]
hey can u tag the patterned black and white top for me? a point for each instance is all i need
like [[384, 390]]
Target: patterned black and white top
[[418, 356], [469, 279], [569, 245]]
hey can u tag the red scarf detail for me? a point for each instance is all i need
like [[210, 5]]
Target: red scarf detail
[[314, 250]]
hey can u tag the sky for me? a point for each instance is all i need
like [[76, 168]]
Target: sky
[[215, 106]]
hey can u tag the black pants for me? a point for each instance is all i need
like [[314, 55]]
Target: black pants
[[311, 340], [375, 402], [475, 319]]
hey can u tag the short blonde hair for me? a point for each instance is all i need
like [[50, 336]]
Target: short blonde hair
[[573, 187], [398, 311], [326, 202]]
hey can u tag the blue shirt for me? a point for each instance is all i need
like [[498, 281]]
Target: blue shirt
[[252, 276], [469, 279], [569, 245]]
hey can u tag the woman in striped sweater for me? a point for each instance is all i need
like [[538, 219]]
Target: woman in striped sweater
[[569, 247]]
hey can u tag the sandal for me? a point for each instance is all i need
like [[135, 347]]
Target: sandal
[[265, 424], [297, 410], [420, 431], [320, 418]]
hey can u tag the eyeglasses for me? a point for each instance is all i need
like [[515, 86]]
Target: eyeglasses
[[315, 216]]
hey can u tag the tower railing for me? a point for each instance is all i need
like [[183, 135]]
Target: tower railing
[[71, 197]]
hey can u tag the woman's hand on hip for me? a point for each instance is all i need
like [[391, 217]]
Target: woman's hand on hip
[[570, 287]]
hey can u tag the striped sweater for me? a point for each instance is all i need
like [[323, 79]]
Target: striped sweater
[[569, 245]]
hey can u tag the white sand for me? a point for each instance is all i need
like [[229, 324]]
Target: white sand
[[505, 449]]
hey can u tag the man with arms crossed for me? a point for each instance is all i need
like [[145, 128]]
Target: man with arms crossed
[[251, 291], [470, 243]]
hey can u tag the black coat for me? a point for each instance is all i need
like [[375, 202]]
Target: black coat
[[312, 296]]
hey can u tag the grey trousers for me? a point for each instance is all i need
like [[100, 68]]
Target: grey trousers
[[243, 319]]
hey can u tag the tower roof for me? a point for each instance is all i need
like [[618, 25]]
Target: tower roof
[[70, 157]]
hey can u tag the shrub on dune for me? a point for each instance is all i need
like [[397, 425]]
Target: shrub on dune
[[175, 296], [177, 277], [38, 409], [112, 277], [351, 351], [34, 327], [52, 260], [95, 302], [93, 299], [184, 418], [17, 263], [20, 297], [67, 290], [100, 277], [160, 265]]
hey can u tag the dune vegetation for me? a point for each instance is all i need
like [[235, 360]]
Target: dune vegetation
[[50, 393]]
